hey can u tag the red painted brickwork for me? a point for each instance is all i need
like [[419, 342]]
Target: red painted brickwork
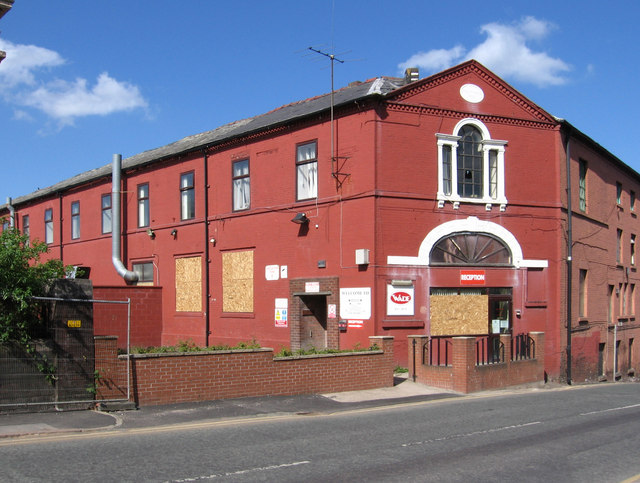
[[111, 372], [464, 376], [175, 378], [146, 314]]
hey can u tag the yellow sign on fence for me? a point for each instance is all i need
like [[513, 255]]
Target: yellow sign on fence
[[74, 323]]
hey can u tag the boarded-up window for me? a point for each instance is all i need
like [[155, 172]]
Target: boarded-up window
[[189, 284], [237, 281], [464, 314], [536, 287]]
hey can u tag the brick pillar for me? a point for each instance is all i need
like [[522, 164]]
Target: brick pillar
[[538, 339], [385, 342], [464, 363], [414, 370]]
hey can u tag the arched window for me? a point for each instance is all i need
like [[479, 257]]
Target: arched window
[[470, 172], [471, 166], [478, 249]]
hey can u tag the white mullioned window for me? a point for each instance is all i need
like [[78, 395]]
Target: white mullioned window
[[241, 185], [48, 226], [187, 196], [143, 205], [471, 166], [307, 171], [75, 220]]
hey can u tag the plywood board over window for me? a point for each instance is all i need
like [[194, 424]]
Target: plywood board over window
[[459, 314], [189, 284], [237, 281]]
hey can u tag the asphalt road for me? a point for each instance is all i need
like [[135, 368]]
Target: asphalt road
[[589, 433]]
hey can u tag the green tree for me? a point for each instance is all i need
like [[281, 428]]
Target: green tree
[[22, 276]]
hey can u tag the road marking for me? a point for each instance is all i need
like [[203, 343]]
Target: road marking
[[610, 409], [474, 433], [633, 479], [122, 432], [241, 472]]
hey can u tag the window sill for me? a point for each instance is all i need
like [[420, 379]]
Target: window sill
[[488, 203], [397, 324], [239, 315]]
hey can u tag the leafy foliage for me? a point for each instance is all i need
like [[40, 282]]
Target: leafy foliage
[[190, 346], [22, 276], [286, 352]]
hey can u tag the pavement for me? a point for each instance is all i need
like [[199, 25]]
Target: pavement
[[16, 424]]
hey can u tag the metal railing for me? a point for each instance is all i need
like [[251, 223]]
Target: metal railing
[[489, 350], [523, 347], [437, 351]]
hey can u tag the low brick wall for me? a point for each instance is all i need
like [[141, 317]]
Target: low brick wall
[[464, 376], [202, 376]]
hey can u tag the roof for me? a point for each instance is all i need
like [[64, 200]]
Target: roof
[[356, 91], [379, 86]]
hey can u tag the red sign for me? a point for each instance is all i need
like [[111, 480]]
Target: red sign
[[472, 277], [400, 297]]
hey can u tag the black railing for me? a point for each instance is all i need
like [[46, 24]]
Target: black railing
[[437, 351], [489, 350], [523, 347]]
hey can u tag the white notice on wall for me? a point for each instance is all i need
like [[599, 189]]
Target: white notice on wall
[[272, 272], [282, 303], [355, 303], [312, 287]]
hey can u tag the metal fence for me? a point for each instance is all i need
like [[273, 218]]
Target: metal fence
[[489, 350], [437, 351], [57, 368]]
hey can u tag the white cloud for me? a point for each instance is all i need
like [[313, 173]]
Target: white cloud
[[23, 73], [21, 115], [504, 51], [434, 60], [23, 60], [66, 101]]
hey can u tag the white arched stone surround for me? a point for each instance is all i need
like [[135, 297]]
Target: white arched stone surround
[[470, 224]]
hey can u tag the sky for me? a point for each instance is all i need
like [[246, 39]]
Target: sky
[[84, 80]]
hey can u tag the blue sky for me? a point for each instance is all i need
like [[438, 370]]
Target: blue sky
[[83, 79]]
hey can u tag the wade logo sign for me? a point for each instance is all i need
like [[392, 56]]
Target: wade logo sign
[[400, 298], [472, 277]]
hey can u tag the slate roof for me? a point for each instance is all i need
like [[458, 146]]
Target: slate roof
[[379, 86]]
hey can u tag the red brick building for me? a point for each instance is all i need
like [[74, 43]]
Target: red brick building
[[436, 206]]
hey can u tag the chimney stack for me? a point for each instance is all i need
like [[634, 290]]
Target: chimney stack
[[412, 74]]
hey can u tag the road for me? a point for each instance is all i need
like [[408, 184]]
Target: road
[[587, 433]]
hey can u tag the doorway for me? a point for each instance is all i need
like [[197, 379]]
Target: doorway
[[499, 320], [313, 322]]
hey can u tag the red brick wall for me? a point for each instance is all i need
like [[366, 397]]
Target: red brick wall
[[174, 378], [110, 371], [146, 314], [464, 376]]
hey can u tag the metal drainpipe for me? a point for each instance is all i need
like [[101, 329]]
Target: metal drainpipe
[[569, 257], [413, 346], [12, 212], [61, 231], [128, 275], [207, 287]]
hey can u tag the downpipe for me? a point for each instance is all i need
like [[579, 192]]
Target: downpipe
[[128, 275]]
